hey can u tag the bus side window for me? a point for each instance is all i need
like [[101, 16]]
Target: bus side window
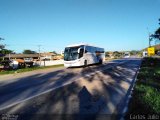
[[94, 50], [91, 49], [86, 49]]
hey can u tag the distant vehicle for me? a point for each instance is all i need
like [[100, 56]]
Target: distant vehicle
[[14, 64], [158, 53], [126, 55], [83, 55], [28, 60], [145, 53]]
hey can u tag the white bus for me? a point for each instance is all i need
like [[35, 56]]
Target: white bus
[[83, 55], [126, 55]]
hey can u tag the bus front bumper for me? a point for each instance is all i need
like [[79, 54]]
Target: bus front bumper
[[71, 63]]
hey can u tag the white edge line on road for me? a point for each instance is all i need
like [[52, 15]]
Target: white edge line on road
[[51, 89], [129, 97]]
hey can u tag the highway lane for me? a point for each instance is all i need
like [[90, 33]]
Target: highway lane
[[15, 89], [99, 91], [95, 90]]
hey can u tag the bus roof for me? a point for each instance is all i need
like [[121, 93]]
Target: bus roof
[[74, 45], [85, 44]]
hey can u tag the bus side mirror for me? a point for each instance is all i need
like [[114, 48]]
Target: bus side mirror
[[79, 49]]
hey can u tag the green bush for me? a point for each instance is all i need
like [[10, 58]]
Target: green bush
[[150, 96], [146, 94]]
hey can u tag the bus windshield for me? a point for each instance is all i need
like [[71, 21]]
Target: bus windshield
[[71, 53]]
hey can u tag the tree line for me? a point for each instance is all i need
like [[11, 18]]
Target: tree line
[[4, 51], [156, 34]]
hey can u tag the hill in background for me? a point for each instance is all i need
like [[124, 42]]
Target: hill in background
[[157, 47]]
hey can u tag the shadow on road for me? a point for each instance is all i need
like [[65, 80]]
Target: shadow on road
[[83, 99]]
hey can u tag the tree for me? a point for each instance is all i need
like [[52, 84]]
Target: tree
[[117, 54], [107, 54], [29, 52], [2, 46], [134, 52], [6, 51], [54, 52], [156, 35], [157, 32]]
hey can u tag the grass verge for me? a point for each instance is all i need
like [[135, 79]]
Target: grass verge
[[146, 94], [29, 69]]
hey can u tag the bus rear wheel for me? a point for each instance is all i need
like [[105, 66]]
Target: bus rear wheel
[[85, 63], [100, 61]]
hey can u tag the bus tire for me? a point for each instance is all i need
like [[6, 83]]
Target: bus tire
[[100, 61], [85, 63]]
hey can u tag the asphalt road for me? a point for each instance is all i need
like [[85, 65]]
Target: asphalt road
[[97, 89]]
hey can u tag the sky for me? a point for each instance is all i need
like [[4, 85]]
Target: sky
[[116, 25]]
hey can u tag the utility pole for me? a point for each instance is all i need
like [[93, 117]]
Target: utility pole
[[9, 55], [149, 37], [39, 50], [1, 46]]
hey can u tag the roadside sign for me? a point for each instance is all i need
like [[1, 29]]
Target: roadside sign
[[151, 51]]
